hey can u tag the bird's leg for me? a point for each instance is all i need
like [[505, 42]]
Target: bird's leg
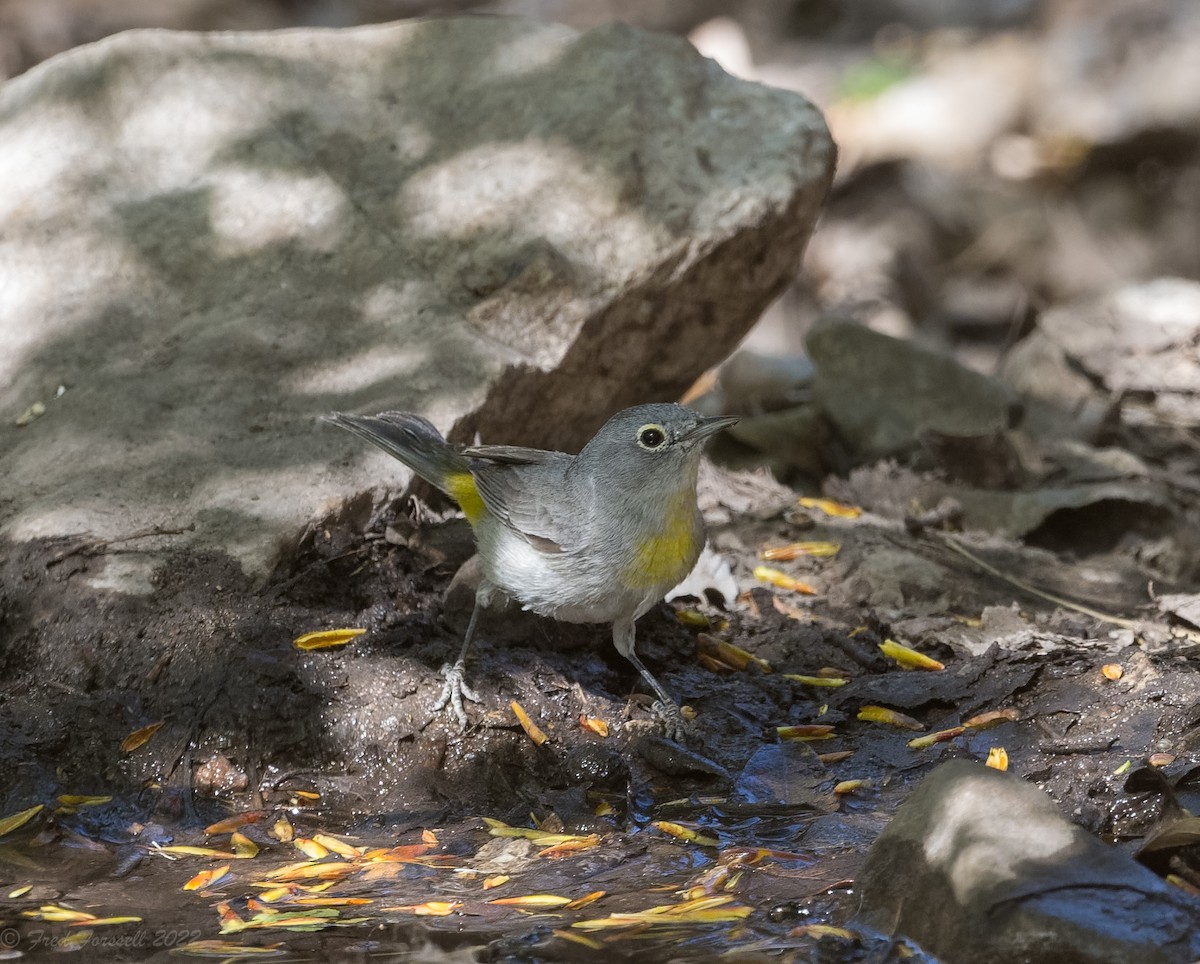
[[455, 686], [674, 725]]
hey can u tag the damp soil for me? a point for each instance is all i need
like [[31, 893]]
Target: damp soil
[[344, 742]]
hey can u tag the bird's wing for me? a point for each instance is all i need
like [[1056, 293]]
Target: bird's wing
[[528, 490]]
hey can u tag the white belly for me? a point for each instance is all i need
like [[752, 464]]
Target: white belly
[[562, 586]]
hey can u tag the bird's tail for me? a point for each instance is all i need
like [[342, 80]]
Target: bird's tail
[[415, 442]]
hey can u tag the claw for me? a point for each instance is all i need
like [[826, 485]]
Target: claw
[[453, 691], [674, 726]]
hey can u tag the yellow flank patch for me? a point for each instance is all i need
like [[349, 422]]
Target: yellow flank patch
[[461, 488], [665, 557]]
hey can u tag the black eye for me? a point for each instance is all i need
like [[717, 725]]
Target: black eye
[[651, 436]]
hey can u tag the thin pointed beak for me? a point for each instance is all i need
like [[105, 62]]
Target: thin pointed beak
[[710, 426]]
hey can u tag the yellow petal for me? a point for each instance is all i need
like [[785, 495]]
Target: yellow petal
[[941, 736], [20, 892], [852, 786], [574, 845], [74, 800], [823, 930], [339, 847], [186, 851], [881, 714], [206, 878], [243, 846], [325, 639], [829, 507], [795, 550], [431, 908], [685, 833], [586, 899], [306, 870], [238, 820], [541, 901], [283, 831], [805, 731], [780, 579], [692, 617], [587, 942], [908, 658], [985, 721], [1112, 671], [998, 758], [817, 680], [13, 821], [310, 848], [594, 724], [496, 881]]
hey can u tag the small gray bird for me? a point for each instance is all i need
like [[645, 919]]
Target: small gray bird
[[598, 537]]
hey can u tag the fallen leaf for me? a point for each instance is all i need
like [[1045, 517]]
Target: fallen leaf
[[243, 846], [805, 732], [681, 832], [227, 949], [16, 820], [238, 820], [75, 800], [822, 930], [985, 721], [307, 870], [186, 851], [206, 878], [692, 617], [941, 736], [1112, 671], [908, 658], [795, 550], [594, 724], [881, 714], [141, 737], [829, 507], [58, 915], [832, 681], [532, 730], [586, 899], [566, 847], [852, 786], [587, 942], [283, 830], [541, 901], [310, 848], [339, 847], [781, 580], [325, 639], [431, 908], [496, 881]]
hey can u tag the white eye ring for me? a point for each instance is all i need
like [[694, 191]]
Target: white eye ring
[[652, 436]]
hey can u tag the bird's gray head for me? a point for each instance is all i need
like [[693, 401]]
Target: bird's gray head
[[659, 441]]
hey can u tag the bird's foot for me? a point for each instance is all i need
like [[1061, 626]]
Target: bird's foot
[[671, 719], [453, 691]]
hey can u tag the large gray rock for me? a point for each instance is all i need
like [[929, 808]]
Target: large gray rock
[[210, 240], [979, 865]]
